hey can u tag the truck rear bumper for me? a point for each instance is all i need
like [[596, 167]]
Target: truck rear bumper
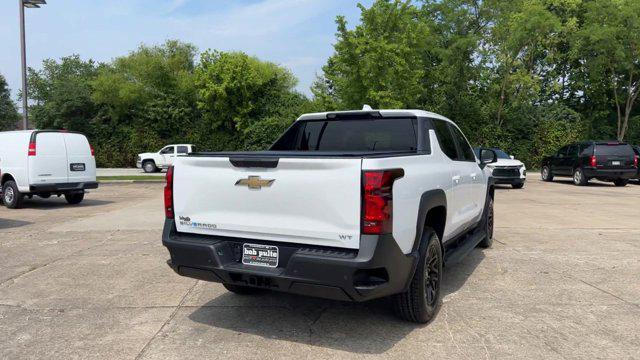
[[611, 174], [377, 269], [63, 187]]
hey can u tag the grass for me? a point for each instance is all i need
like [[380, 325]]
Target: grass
[[131, 178]]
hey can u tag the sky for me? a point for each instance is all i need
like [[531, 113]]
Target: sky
[[297, 34]]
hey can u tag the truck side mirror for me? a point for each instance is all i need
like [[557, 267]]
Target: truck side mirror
[[487, 156]]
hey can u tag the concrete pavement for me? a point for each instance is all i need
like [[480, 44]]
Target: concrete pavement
[[562, 281]]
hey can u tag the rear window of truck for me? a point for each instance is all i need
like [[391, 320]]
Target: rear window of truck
[[614, 150], [375, 135]]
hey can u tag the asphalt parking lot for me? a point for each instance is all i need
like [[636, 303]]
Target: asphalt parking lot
[[562, 281]]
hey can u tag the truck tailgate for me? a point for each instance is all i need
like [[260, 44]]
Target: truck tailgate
[[314, 201]]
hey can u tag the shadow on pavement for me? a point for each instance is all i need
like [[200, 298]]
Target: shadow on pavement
[[362, 328], [591, 183], [55, 203], [9, 224]]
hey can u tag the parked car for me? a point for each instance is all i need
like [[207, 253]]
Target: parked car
[[346, 205], [603, 160], [45, 163], [154, 162], [507, 170]]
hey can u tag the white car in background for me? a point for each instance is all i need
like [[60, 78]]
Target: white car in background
[[156, 161], [45, 163], [507, 170]]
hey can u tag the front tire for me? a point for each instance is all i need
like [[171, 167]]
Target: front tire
[[420, 303], [519, 185], [74, 198], [546, 174], [11, 196], [579, 178], [621, 182], [487, 242], [241, 290], [149, 166]]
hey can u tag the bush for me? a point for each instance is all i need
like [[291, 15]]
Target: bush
[[557, 126]]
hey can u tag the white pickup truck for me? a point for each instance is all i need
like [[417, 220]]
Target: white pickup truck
[[349, 205], [156, 161]]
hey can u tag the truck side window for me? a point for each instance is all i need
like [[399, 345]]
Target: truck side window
[[463, 144], [445, 139], [183, 149], [167, 150], [573, 150], [562, 152]]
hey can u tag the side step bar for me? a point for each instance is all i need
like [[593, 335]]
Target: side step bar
[[453, 255]]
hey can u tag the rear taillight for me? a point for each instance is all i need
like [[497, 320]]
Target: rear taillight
[[377, 200], [635, 160], [93, 153], [32, 148], [168, 194], [594, 162]]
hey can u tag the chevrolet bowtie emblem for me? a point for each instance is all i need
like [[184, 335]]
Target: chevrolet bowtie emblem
[[254, 182]]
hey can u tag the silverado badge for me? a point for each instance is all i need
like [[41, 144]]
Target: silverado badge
[[254, 182]]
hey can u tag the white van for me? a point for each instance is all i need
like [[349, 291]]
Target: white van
[[45, 163]]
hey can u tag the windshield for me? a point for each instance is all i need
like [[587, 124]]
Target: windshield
[[350, 135]]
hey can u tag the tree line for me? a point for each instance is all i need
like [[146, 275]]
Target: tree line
[[524, 75]]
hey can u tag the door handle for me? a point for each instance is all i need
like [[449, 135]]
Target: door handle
[[474, 176], [456, 179]]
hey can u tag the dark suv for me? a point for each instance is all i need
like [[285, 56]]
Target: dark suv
[[603, 160]]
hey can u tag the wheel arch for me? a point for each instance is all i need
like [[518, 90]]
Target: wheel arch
[[432, 212], [6, 177]]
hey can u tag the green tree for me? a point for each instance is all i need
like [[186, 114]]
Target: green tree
[[236, 89], [609, 44], [245, 102], [150, 73], [147, 99], [382, 61], [8, 114], [519, 42], [61, 94]]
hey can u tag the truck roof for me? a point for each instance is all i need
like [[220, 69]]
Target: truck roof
[[383, 113]]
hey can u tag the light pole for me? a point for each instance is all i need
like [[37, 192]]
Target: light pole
[[25, 4]]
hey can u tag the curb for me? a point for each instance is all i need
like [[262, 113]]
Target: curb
[[119, 182]]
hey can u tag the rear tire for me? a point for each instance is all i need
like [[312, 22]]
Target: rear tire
[[579, 178], [621, 182], [149, 166], [74, 198], [241, 290], [546, 174], [420, 303], [11, 196]]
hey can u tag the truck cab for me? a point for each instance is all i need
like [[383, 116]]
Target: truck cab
[[157, 161]]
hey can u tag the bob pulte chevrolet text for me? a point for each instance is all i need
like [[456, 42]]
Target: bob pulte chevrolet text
[[351, 205]]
